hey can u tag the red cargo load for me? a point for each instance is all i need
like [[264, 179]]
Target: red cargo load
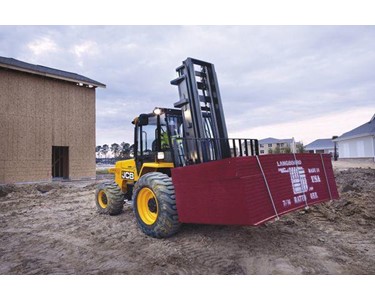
[[252, 190]]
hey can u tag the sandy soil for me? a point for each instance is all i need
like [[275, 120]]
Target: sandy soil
[[350, 164], [54, 229]]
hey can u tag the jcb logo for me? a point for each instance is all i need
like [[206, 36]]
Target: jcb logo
[[127, 175]]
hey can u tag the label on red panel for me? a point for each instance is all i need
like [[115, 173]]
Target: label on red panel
[[299, 181]]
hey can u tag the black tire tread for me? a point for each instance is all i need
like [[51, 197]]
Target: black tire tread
[[167, 222], [115, 198]]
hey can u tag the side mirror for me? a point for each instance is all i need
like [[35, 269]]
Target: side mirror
[[143, 120]]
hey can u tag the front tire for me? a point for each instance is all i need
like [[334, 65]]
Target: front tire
[[154, 205], [109, 198]]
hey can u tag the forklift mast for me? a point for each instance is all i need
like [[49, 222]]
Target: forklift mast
[[205, 131]]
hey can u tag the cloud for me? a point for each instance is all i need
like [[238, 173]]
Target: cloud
[[42, 45], [85, 48]]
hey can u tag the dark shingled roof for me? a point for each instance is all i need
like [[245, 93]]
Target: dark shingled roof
[[15, 64], [320, 144], [363, 130]]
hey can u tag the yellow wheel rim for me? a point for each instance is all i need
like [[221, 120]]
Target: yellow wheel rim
[[102, 199], [147, 206]]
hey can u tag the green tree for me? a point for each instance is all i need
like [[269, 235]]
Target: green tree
[[97, 150], [287, 150], [277, 150], [115, 148], [300, 148], [132, 150], [104, 150], [125, 150]]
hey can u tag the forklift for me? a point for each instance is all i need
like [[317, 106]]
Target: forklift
[[178, 154]]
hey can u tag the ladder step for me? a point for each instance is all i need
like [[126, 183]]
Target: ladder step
[[201, 86], [204, 99], [200, 74]]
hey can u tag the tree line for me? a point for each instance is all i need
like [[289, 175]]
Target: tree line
[[300, 148], [124, 150]]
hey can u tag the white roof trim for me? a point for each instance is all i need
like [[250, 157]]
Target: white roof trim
[[352, 137]]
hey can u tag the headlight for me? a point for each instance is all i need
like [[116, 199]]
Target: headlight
[[157, 111], [160, 155]]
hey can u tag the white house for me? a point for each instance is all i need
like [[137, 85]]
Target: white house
[[272, 145], [359, 142]]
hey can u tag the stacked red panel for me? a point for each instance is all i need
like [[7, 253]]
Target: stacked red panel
[[252, 190]]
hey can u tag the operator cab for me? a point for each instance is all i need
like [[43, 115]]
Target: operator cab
[[155, 133]]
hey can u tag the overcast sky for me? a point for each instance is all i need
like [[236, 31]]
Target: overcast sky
[[306, 82]]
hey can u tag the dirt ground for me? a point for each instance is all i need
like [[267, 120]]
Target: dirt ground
[[53, 228]]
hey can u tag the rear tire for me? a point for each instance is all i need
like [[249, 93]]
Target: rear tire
[[154, 205], [109, 198]]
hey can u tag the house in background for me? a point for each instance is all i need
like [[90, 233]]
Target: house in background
[[47, 123], [272, 145], [358, 143], [321, 146]]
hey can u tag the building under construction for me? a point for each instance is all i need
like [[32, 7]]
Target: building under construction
[[47, 123]]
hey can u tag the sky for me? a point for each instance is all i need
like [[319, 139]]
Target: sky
[[306, 82]]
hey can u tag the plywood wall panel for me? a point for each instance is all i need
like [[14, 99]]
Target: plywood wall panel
[[38, 113], [2, 170], [3, 136]]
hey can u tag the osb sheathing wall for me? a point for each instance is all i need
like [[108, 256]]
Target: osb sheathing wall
[[37, 113]]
